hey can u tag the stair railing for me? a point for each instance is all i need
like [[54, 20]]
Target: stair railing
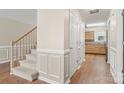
[[21, 47]]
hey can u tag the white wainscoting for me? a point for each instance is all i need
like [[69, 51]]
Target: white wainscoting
[[4, 54], [113, 63], [115, 66], [53, 65], [66, 67]]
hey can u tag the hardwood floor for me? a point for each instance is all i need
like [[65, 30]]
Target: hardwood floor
[[94, 71], [6, 78]]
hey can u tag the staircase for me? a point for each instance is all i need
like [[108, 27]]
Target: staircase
[[24, 57], [27, 67]]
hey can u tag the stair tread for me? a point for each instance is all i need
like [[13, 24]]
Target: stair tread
[[34, 49], [25, 70], [28, 61], [31, 55]]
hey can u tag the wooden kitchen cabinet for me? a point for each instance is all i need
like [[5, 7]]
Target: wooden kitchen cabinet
[[89, 36], [95, 48]]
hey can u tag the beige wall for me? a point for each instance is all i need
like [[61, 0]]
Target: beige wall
[[50, 34], [113, 29], [11, 30], [66, 29]]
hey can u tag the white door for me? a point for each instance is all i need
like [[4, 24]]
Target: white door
[[73, 44], [81, 42]]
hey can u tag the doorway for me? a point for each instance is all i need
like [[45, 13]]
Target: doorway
[[88, 47]]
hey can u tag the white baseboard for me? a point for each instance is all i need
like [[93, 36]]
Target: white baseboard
[[120, 78], [113, 75], [117, 78], [48, 80], [67, 81], [78, 67]]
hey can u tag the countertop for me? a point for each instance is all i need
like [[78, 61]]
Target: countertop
[[99, 43]]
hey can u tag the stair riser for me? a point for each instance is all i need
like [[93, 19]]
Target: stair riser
[[33, 51], [33, 58], [28, 66], [25, 76]]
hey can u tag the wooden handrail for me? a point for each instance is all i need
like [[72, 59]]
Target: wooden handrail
[[24, 35]]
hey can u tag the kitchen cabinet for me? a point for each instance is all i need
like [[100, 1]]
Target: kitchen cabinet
[[89, 36], [95, 48]]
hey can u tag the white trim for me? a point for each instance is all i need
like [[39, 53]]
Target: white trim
[[120, 78], [113, 74], [48, 80], [78, 67], [7, 48], [67, 81], [4, 46], [66, 51], [113, 49]]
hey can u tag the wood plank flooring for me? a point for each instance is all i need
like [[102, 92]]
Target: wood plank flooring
[[94, 71], [6, 78]]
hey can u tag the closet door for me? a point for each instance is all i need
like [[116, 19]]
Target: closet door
[[73, 44]]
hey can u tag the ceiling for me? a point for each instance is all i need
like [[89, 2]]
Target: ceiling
[[27, 16], [99, 17]]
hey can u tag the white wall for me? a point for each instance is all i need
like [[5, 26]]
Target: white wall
[[52, 45], [26, 16], [14, 24], [66, 29], [50, 33], [53, 37], [113, 27], [11, 30]]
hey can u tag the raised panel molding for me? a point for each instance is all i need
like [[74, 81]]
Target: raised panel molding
[[42, 63], [53, 67], [4, 54], [66, 67], [113, 63]]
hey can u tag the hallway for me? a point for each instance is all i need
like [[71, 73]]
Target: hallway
[[94, 71]]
